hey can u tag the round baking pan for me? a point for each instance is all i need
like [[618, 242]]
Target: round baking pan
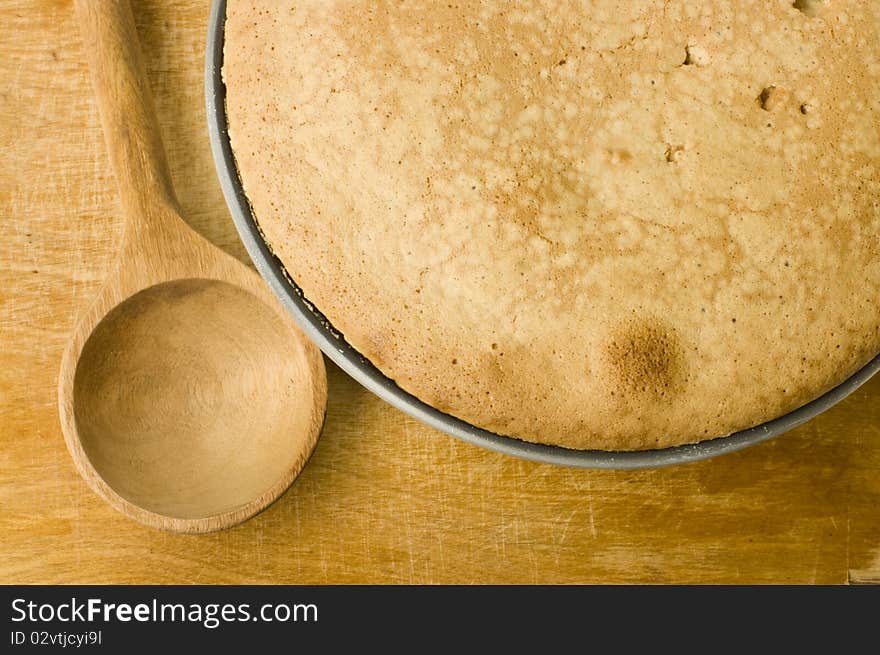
[[349, 360]]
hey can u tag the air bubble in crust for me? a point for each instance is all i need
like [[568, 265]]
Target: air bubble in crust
[[811, 8]]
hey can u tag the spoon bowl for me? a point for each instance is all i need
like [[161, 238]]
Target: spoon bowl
[[209, 425]]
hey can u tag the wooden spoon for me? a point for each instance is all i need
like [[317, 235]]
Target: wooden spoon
[[188, 398]]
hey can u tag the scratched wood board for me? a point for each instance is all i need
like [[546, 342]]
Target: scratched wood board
[[384, 498]]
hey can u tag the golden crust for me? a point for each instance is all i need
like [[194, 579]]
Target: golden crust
[[607, 224]]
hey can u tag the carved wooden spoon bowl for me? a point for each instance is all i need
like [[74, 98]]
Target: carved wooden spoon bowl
[[188, 398]]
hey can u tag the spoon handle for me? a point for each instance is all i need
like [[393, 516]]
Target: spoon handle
[[125, 105]]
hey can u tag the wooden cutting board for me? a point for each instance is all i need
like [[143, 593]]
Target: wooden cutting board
[[384, 499]]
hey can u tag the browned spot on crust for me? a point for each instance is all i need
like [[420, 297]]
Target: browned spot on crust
[[642, 357]]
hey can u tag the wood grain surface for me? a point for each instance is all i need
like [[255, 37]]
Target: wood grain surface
[[384, 499]]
